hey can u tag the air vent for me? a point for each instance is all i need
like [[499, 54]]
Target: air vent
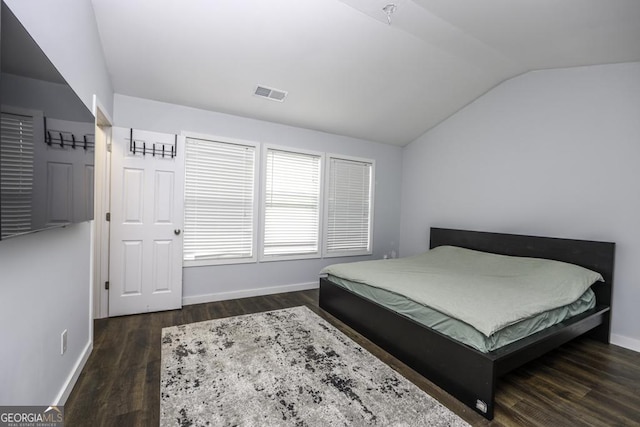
[[272, 94]]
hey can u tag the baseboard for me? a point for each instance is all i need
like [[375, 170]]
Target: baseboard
[[626, 342], [246, 293], [62, 397]]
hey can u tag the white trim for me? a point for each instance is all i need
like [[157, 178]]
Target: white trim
[[351, 158], [289, 257], [246, 293], [100, 227], [626, 342], [65, 391], [202, 262], [105, 120], [218, 138]]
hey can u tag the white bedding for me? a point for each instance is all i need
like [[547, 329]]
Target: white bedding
[[486, 291]]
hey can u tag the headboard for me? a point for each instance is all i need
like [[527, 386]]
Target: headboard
[[596, 256]]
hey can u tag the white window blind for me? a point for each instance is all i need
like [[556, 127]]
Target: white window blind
[[219, 200], [292, 204], [16, 169], [349, 202]]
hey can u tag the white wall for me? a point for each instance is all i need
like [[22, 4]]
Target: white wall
[[555, 153], [45, 277], [209, 283], [44, 290]]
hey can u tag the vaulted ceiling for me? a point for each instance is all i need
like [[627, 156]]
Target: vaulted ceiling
[[345, 69]]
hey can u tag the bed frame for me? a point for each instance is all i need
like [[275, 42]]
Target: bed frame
[[464, 372]]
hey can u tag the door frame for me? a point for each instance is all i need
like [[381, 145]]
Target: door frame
[[102, 204]]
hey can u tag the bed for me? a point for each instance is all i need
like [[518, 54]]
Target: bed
[[466, 372]]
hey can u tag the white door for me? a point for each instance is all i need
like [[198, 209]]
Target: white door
[[145, 272]]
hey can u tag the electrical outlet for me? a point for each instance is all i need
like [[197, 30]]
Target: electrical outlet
[[63, 342]]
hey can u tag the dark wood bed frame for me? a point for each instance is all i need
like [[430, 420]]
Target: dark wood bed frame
[[464, 372]]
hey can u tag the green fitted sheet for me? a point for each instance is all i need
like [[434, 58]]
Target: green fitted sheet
[[485, 290], [460, 331]]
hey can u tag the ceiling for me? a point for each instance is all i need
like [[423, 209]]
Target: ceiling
[[346, 70]]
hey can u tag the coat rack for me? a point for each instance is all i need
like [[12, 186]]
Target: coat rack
[[155, 148], [68, 139]]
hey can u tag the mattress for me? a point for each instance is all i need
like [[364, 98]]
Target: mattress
[[461, 331], [487, 300]]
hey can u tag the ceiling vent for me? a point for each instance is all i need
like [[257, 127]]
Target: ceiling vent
[[272, 94]]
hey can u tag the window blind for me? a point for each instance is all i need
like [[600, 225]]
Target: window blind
[[16, 173], [219, 200], [292, 203], [348, 218]]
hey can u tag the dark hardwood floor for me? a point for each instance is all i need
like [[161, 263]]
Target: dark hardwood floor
[[584, 383]]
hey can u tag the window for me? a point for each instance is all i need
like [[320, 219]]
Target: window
[[219, 202], [221, 182], [348, 216], [16, 167], [292, 205]]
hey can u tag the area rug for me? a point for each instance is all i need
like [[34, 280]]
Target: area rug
[[284, 367]]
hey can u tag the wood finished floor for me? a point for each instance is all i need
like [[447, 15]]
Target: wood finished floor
[[584, 383]]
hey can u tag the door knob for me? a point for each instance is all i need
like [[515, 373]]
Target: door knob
[[176, 232]]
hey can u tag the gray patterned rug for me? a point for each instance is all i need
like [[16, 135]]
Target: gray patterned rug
[[284, 367]]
